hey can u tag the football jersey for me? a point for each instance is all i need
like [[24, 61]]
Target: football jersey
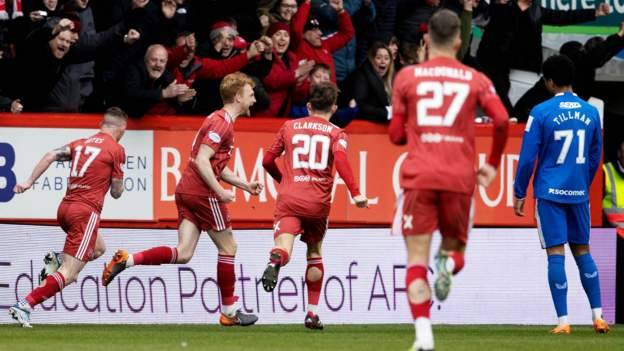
[[439, 99], [217, 132], [308, 145], [95, 161], [565, 136]]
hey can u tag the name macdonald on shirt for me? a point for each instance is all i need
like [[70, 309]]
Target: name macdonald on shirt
[[441, 71]]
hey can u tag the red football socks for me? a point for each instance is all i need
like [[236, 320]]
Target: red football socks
[[226, 279], [52, 284], [414, 273], [279, 256], [458, 258], [314, 287], [155, 256]]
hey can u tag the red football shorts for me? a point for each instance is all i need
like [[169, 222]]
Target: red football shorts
[[422, 211], [206, 212], [312, 230], [81, 224]]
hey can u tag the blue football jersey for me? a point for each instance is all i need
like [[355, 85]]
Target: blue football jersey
[[565, 136]]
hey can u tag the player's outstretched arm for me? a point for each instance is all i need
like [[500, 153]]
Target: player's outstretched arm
[[116, 188], [62, 153], [344, 170], [254, 188], [202, 162]]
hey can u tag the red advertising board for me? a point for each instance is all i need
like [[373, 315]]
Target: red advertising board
[[375, 161]]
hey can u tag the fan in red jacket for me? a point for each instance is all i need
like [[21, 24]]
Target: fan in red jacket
[[306, 39], [286, 72]]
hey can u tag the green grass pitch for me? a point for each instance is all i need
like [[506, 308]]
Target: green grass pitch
[[296, 337]]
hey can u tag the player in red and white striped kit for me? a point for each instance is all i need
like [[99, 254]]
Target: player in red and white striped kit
[[96, 167], [311, 146], [434, 107], [201, 200]]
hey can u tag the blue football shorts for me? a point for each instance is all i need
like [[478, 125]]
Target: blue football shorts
[[560, 223]]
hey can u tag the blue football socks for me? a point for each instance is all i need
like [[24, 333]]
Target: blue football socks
[[558, 283]]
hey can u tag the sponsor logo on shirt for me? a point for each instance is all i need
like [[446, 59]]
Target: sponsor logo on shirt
[[569, 105], [438, 138], [214, 137], [566, 192]]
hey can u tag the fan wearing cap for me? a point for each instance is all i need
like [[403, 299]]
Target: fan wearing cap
[[227, 53], [307, 41], [286, 72]]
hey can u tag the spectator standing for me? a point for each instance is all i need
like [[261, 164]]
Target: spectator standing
[[306, 35], [362, 13], [586, 58], [285, 73], [220, 57], [513, 38]]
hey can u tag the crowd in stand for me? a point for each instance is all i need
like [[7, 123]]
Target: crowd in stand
[[169, 56]]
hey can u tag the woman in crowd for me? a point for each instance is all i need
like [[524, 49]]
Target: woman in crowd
[[372, 85], [285, 73]]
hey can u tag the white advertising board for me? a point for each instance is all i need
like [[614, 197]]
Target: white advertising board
[[42, 199], [504, 281]]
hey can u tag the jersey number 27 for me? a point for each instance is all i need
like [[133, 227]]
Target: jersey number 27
[[432, 95], [308, 145]]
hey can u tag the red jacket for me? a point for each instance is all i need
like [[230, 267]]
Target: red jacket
[[329, 45], [279, 84]]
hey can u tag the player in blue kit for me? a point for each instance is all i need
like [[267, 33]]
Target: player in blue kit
[[565, 136]]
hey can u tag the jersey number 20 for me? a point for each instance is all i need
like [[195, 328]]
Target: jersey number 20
[[89, 150], [308, 145], [439, 91]]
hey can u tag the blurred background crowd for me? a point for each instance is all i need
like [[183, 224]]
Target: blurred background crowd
[[169, 56]]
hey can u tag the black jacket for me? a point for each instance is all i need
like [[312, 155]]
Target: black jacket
[[370, 95], [513, 38], [141, 92]]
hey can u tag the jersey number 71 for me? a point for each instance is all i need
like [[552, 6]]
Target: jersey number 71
[[432, 95]]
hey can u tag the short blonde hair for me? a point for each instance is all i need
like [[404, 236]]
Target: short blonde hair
[[232, 84]]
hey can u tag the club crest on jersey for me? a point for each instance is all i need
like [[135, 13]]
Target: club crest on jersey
[[214, 137]]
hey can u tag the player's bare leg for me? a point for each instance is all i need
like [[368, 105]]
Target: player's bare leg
[[314, 283], [558, 287], [66, 274], [418, 291], [231, 315], [591, 284], [449, 261], [188, 236], [278, 257]]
